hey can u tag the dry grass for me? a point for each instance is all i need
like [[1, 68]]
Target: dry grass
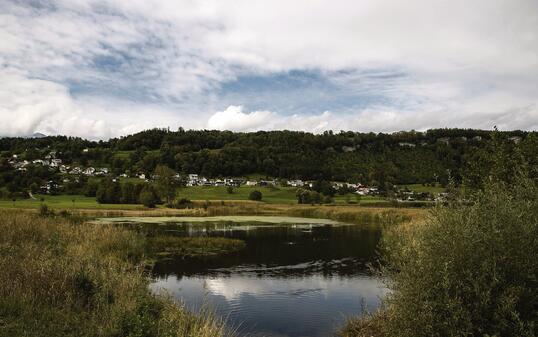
[[63, 278], [350, 214]]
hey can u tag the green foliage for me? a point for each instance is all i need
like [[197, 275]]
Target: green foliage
[[148, 197], [375, 159], [305, 196], [180, 204], [471, 270], [166, 182], [229, 190], [255, 195], [109, 192]]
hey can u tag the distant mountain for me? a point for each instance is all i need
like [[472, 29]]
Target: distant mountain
[[33, 135], [37, 135]]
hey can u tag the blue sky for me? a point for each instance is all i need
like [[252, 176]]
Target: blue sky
[[103, 68]]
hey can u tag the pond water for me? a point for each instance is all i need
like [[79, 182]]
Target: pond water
[[291, 279]]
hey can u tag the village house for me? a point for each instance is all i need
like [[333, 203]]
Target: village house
[[90, 171], [295, 183], [102, 171], [515, 139], [192, 180], [218, 182], [267, 183], [49, 187], [55, 162], [234, 182], [445, 140], [75, 170]]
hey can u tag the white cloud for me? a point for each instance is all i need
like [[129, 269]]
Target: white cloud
[[383, 119], [100, 68], [32, 105], [233, 118], [29, 105]]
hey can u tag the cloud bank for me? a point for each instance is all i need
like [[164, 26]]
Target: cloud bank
[[98, 68]]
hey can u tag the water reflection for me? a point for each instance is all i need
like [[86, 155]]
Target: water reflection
[[288, 281]]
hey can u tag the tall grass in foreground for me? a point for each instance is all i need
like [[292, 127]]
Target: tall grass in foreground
[[62, 278], [469, 270]]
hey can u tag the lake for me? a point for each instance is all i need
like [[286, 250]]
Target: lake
[[292, 279]]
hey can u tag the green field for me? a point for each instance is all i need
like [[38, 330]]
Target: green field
[[419, 188], [63, 201], [280, 195]]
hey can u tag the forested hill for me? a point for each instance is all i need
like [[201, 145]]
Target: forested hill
[[403, 157]]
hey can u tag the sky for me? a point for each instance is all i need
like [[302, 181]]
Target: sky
[[102, 68]]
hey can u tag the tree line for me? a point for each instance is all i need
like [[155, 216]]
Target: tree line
[[439, 155]]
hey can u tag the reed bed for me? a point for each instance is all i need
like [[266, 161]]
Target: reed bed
[[61, 277]]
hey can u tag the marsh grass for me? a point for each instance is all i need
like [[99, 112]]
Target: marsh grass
[[60, 277]]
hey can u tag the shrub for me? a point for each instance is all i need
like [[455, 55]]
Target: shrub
[[180, 204], [44, 210], [255, 195], [471, 270], [148, 198]]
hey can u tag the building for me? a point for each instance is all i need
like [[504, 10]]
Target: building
[[295, 183], [90, 171]]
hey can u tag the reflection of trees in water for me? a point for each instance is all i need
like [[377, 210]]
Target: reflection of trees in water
[[282, 251]]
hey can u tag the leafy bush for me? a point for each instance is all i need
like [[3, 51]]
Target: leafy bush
[[180, 204], [148, 198], [471, 270], [44, 210], [255, 195]]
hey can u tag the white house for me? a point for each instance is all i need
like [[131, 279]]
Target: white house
[[90, 171], [55, 162], [296, 183], [75, 170]]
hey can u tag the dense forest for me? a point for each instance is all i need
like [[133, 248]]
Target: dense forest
[[437, 155]]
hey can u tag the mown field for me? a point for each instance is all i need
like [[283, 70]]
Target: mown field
[[419, 188], [63, 202], [272, 195], [281, 195]]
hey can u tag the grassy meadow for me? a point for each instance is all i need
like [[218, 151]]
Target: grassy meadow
[[271, 195], [63, 202], [419, 188]]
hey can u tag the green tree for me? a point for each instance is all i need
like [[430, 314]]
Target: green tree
[[255, 195], [148, 198], [109, 192], [166, 182]]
